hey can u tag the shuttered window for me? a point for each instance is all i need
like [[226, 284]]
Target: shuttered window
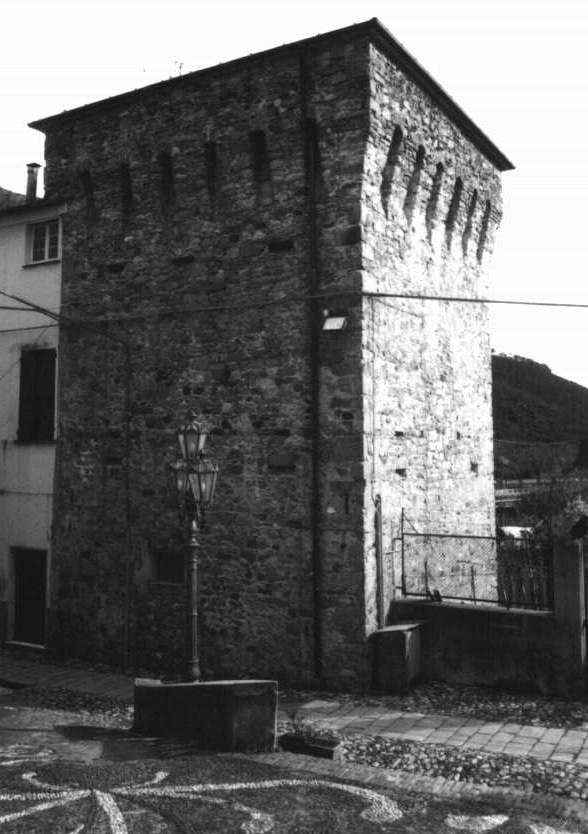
[[36, 419]]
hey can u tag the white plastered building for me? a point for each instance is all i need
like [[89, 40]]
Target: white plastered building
[[30, 285]]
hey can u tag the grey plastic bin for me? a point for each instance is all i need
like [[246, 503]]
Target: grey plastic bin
[[396, 654]]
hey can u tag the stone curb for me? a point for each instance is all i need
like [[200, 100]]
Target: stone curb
[[438, 786]]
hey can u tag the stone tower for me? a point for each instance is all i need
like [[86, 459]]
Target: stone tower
[[218, 223]]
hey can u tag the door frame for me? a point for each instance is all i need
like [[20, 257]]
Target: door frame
[[12, 601]]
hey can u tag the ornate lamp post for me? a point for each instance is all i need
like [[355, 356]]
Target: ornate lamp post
[[193, 479]]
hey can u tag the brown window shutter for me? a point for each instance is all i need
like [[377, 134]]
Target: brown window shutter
[[37, 396]]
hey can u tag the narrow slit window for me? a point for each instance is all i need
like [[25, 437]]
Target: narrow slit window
[[484, 231], [126, 188], [467, 232], [260, 164], [433, 202], [259, 151], [312, 144], [414, 183], [390, 167], [312, 151], [211, 164], [453, 211], [166, 178], [87, 184]]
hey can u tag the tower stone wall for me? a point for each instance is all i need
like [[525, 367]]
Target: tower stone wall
[[431, 205], [213, 221]]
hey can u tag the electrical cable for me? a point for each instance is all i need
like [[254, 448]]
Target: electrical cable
[[34, 327], [32, 306], [474, 300], [159, 312], [172, 311]]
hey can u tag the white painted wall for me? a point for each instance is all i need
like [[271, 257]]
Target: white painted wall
[[26, 469]]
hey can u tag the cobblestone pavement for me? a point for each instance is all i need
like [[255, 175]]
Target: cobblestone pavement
[[413, 802], [78, 678], [516, 800], [564, 745], [215, 794], [545, 743]]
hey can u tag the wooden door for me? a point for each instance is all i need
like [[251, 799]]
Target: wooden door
[[30, 592]]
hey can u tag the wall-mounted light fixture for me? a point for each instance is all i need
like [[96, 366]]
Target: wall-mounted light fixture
[[334, 321]]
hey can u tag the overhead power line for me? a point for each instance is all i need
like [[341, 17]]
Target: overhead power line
[[476, 300], [325, 297], [23, 329]]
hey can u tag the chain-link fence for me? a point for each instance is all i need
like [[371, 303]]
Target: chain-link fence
[[477, 569]]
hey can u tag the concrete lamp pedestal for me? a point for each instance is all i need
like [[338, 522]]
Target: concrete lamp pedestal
[[218, 715]]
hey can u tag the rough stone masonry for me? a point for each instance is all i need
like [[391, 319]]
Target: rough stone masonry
[[214, 220]]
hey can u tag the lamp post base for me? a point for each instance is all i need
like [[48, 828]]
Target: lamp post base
[[219, 715]]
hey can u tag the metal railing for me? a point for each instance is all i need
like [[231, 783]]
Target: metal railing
[[477, 569]]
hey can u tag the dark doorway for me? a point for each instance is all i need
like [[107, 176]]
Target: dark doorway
[[30, 589]]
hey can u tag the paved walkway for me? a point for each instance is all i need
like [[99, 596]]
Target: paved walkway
[[553, 744], [15, 670]]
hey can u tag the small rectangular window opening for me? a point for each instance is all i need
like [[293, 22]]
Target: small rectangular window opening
[[168, 566], [44, 241]]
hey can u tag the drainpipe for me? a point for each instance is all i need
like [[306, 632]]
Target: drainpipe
[[309, 133], [128, 584], [379, 562]]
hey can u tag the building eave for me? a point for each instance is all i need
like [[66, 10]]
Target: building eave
[[29, 208]]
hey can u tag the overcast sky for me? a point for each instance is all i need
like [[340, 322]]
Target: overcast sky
[[519, 68]]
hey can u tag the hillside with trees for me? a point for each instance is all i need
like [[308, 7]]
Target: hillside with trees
[[540, 420], [530, 403]]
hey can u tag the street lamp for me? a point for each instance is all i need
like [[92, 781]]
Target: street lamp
[[193, 479]]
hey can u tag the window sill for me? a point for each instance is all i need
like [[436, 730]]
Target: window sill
[[19, 442], [33, 264], [21, 644], [160, 583]]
